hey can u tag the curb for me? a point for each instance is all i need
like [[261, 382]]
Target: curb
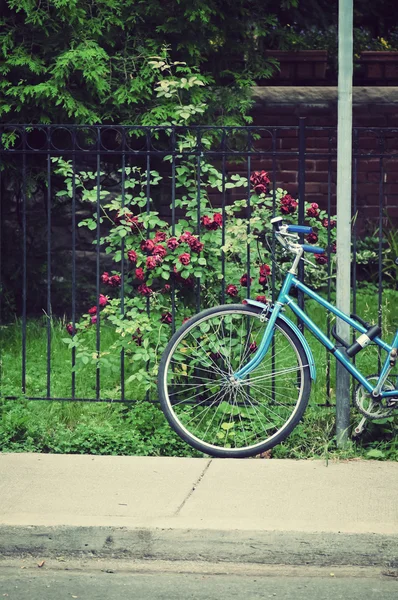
[[257, 547]]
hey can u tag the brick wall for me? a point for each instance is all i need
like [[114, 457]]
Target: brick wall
[[375, 179]]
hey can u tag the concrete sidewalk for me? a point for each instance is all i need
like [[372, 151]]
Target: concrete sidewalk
[[268, 511]]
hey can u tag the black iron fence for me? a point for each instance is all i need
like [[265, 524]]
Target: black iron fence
[[115, 179]]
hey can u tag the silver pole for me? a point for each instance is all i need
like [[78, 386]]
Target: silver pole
[[344, 162]]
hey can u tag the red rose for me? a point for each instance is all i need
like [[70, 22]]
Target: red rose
[[321, 259], [105, 277], [265, 270], [152, 262], [94, 319], [195, 244], [147, 246], [185, 236], [160, 236], [206, 221], [313, 210], [288, 205], [231, 290], [260, 189], [132, 256], [172, 243], [244, 280], [312, 238], [166, 318], [185, 258], [145, 290], [333, 248], [70, 329], [325, 223], [262, 299], [259, 178], [160, 251], [139, 274], [217, 218], [92, 310], [166, 289], [252, 347], [102, 300], [115, 281]]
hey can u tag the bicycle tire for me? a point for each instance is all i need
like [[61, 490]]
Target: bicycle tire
[[204, 368]]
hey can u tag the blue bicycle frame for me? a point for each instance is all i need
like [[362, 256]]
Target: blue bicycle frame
[[285, 299]]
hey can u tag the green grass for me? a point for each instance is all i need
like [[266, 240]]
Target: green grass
[[141, 429]]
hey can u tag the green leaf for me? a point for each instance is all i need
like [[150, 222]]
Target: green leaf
[[374, 453], [227, 426]]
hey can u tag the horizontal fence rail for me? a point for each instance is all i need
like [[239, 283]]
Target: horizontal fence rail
[[78, 201]]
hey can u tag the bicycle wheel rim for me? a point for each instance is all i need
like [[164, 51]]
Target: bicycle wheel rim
[[204, 411]]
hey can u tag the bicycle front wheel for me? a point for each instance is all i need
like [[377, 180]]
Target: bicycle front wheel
[[212, 411]]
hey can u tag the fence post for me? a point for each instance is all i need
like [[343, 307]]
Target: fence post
[[301, 212], [344, 176]]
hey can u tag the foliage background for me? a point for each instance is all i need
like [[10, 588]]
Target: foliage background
[[86, 61]]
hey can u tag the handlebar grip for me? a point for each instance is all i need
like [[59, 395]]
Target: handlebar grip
[[299, 229], [313, 249]]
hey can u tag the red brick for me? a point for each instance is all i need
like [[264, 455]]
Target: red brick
[[287, 176], [368, 164], [361, 176], [288, 144], [391, 177], [323, 165], [287, 133], [317, 143], [367, 120], [288, 164], [374, 176], [390, 188]]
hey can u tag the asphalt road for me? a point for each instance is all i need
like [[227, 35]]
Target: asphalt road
[[118, 580]]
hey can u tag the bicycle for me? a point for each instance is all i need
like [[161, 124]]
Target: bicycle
[[235, 380]]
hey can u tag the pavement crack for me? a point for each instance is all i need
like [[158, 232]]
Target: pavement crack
[[191, 491]]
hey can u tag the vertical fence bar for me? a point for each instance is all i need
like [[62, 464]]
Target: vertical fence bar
[[248, 213], [380, 243], [198, 199], [329, 267], [301, 206], [73, 383], [354, 236], [97, 283], [273, 240], [123, 183], [24, 270], [148, 209], [223, 218], [173, 223], [49, 310]]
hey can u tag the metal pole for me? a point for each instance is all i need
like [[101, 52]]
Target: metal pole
[[344, 160]]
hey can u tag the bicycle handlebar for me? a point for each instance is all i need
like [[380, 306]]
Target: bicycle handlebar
[[283, 229]]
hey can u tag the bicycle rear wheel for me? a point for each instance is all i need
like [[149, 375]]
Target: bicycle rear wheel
[[208, 408]]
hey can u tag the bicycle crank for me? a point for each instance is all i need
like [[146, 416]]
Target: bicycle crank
[[375, 408]]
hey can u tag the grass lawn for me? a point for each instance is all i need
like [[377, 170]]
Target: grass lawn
[[141, 428]]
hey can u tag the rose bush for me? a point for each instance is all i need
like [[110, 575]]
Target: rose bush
[[168, 266]]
